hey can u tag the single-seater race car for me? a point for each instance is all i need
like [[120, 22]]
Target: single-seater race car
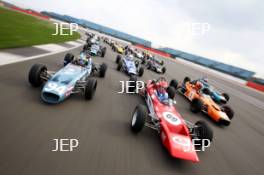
[[221, 98], [118, 48], [155, 66], [201, 100], [176, 134], [129, 65], [95, 49], [73, 78]]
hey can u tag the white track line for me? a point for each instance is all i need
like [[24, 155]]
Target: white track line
[[21, 59]]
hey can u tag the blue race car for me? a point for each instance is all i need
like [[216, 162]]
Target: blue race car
[[95, 49], [129, 65], [73, 78]]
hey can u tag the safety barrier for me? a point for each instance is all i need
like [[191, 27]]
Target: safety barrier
[[164, 54], [30, 12]]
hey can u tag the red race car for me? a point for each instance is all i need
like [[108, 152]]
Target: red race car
[[178, 136]]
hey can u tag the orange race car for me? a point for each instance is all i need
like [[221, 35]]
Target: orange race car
[[201, 101]]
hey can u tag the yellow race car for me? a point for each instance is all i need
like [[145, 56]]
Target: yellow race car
[[118, 48]]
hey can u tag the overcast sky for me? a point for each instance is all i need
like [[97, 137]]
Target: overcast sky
[[235, 28]]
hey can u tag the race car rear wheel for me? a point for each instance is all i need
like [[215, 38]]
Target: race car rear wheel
[[139, 118], [34, 75], [186, 79], [132, 83], [90, 88], [171, 92], [226, 96], [196, 105], [202, 131], [119, 66], [206, 91], [136, 63], [140, 71], [163, 70], [174, 83], [68, 58], [229, 112], [103, 51], [118, 58], [103, 68]]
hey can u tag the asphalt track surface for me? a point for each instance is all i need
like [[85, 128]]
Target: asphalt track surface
[[102, 126]]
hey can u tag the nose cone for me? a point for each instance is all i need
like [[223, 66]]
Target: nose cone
[[181, 146], [52, 96]]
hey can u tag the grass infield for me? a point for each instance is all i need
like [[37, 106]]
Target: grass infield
[[21, 30]]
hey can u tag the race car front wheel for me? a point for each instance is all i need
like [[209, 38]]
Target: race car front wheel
[[140, 71], [132, 83], [138, 118], [118, 58], [226, 96], [229, 112], [34, 75], [163, 70], [202, 131], [103, 69], [174, 83], [90, 88], [171, 92], [196, 105]]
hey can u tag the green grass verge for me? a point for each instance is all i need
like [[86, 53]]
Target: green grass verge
[[21, 30]]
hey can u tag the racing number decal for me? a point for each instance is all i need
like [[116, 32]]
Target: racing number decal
[[54, 87], [191, 95], [182, 141], [171, 118]]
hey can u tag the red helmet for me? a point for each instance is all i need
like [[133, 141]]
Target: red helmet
[[198, 85]]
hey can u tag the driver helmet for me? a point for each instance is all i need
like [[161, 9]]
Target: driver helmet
[[205, 79], [198, 86], [130, 57], [162, 93]]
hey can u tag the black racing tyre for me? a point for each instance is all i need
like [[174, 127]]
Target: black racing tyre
[[163, 70], [196, 105], [90, 88], [140, 71], [84, 47], [171, 92], [119, 66], [132, 83], [162, 62], [69, 57], [226, 96], [186, 79], [206, 91], [136, 63], [174, 83], [34, 75], [103, 69], [229, 112], [203, 131], [138, 118], [118, 58], [103, 51], [148, 66]]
